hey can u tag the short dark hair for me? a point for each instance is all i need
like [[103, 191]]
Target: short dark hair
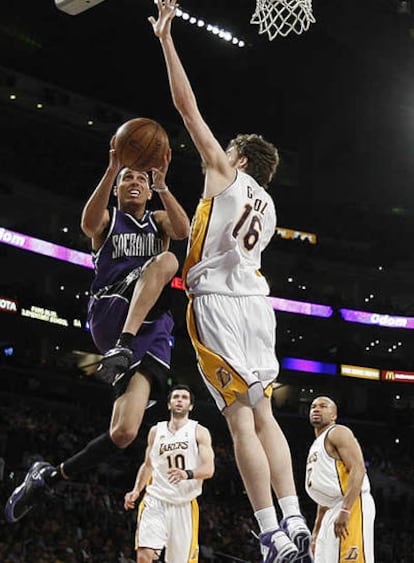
[[120, 173], [182, 387], [262, 156]]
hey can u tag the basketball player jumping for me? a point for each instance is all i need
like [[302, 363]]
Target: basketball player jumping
[[230, 320], [336, 480], [179, 457], [132, 266]]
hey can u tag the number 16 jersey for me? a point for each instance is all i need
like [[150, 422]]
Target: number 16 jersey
[[228, 234], [174, 450]]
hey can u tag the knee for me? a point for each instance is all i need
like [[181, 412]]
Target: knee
[[243, 436], [123, 435], [241, 432], [166, 265]]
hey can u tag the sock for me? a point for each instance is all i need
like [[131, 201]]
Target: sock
[[126, 340], [289, 506], [96, 451], [267, 519]]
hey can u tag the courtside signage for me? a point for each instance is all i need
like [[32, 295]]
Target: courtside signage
[[360, 372], [42, 314], [32, 244], [52, 250], [399, 376], [8, 305], [309, 366], [364, 317]]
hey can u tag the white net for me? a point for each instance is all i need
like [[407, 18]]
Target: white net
[[280, 17]]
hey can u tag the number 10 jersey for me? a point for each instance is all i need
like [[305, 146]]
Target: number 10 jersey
[[174, 450]]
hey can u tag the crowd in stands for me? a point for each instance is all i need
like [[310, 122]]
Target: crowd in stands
[[85, 521]]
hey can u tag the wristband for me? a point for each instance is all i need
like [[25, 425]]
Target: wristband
[[345, 510], [190, 474], [159, 190]]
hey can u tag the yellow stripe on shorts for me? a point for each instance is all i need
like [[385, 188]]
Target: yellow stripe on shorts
[[352, 547], [228, 383], [195, 518], [139, 514]]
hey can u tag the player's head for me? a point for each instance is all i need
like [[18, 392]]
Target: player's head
[[180, 400], [322, 412], [255, 156], [132, 188], [181, 387]]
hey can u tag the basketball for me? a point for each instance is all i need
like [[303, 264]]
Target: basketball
[[141, 143]]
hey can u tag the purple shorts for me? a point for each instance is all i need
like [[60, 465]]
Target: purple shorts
[[151, 346]]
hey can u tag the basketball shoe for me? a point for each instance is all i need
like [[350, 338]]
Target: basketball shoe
[[276, 547], [114, 365], [296, 529], [27, 495]]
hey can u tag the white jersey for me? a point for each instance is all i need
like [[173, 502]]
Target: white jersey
[[174, 449], [228, 234], [326, 477]]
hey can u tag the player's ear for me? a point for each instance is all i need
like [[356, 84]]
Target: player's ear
[[242, 162]]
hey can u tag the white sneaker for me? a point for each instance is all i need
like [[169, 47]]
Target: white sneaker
[[295, 527], [276, 547]]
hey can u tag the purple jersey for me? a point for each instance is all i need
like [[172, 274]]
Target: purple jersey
[[129, 244]]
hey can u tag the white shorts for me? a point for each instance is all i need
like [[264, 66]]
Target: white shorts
[[173, 526], [234, 339], [359, 545]]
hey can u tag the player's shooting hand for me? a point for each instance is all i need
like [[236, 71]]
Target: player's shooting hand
[[166, 13], [130, 499], [159, 174], [341, 525], [175, 475], [114, 161]]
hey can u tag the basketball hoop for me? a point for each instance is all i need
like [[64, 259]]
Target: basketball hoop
[[280, 17]]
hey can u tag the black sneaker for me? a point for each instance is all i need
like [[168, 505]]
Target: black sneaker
[[114, 365], [26, 495]]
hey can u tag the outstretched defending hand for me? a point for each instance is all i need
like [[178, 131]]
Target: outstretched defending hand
[[166, 13]]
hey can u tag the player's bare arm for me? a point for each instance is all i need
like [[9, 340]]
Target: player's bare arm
[[343, 442], [95, 215], [144, 473], [205, 468], [219, 173], [173, 220], [205, 450]]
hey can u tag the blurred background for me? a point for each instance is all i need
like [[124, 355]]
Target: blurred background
[[338, 102]]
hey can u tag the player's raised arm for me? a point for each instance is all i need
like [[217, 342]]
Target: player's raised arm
[[212, 154], [95, 216], [343, 440], [173, 220]]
